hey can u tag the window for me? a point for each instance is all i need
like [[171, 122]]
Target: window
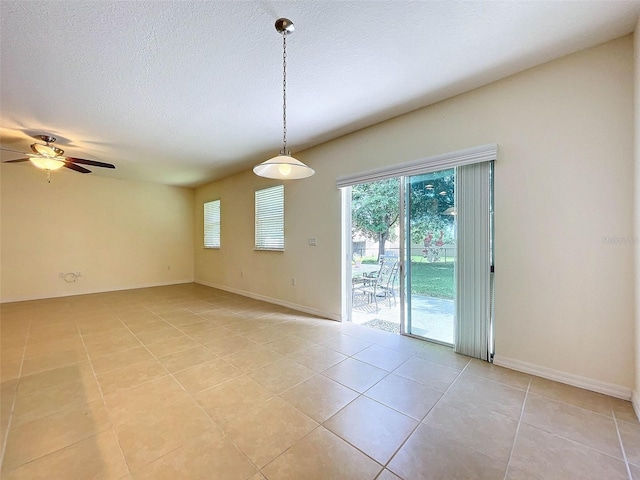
[[270, 218], [212, 224]]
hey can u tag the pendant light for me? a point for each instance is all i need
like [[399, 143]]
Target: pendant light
[[284, 166]]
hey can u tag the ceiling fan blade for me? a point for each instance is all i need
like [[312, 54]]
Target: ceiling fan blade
[[90, 162], [75, 167], [14, 151], [18, 160]]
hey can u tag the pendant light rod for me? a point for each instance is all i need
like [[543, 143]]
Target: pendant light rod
[[284, 90], [283, 166], [285, 27]]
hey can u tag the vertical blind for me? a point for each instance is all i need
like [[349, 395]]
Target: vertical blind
[[473, 266], [270, 218], [212, 224]]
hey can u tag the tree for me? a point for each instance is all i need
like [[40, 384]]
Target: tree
[[375, 207], [431, 203], [375, 210]]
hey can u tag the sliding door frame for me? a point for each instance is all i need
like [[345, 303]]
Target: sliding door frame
[[402, 269], [435, 163], [347, 247]]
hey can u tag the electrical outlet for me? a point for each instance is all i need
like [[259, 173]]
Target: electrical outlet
[[313, 242]]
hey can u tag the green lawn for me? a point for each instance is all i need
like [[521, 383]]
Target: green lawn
[[433, 279]]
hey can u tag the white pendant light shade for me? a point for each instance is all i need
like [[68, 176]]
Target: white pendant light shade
[[47, 163], [283, 167]]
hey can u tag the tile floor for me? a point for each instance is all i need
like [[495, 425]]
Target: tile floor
[[188, 382]]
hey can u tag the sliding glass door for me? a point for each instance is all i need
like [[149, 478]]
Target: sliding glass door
[[430, 255], [440, 281]]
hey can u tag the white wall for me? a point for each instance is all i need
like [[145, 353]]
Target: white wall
[[563, 183], [118, 234]]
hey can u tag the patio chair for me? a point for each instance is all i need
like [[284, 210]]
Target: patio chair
[[383, 285]]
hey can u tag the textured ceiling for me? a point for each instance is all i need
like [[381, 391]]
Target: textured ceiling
[[183, 92]]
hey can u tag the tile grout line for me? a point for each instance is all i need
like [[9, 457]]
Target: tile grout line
[[225, 436], [385, 466], [321, 424], [290, 446], [572, 405], [15, 397], [104, 403], [571, 440], [215, 424], [48, 415], [624, 453], [515, 437], [113, 425]]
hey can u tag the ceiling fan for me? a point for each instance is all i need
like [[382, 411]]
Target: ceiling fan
[[49, 157]]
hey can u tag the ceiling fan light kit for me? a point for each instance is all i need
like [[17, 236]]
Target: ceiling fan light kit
[[48, 153], [47, 163], [284, 166]]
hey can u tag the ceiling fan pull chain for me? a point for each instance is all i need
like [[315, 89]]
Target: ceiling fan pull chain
[[48, 176]]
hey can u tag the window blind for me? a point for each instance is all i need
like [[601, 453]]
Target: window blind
[[270, 218], [212, 224]]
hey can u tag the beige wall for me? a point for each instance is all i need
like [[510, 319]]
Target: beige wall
[[564, 183], [310, 211], [118, 234]]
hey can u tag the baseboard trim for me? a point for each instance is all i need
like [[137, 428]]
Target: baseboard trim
[[27, 298], [275, 301], [610, 389], [635, 401]]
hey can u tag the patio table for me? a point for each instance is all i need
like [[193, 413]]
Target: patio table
[[364, 269]]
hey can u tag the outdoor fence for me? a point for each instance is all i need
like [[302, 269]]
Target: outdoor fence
[[444, 253]]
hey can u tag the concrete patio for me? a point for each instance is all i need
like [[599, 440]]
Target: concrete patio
[[430, 317]]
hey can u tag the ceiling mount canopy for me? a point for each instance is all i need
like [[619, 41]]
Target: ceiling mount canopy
[[284, 166]]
